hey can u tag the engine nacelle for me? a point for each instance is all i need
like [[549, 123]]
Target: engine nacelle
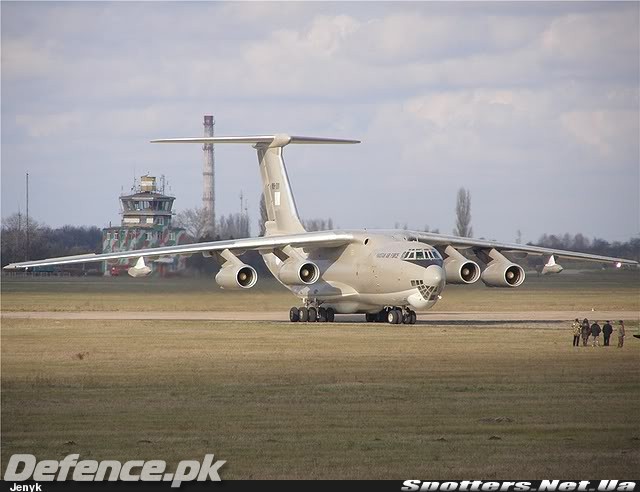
[[503, 274], [236, 277], [460, 270], [295, 272]]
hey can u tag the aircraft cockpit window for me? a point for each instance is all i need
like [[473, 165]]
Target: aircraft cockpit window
[[421, 254]]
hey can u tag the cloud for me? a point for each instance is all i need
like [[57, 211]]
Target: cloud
[[611, 134], [23, 59], [51, 125], [492, 96]]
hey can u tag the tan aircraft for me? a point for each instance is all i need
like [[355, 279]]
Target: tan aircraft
[[385, 275]]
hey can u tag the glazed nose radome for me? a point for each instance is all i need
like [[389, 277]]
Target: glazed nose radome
[[434, 276]]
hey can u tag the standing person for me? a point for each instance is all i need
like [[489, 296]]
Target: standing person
[[595, 333], [586, 330], [620, 334], [576, 327], [607, 330]]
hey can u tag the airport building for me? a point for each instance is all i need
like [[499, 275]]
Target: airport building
[[147, 214]]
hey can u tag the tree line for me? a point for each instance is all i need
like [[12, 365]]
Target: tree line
[[628, 249], [37, 240]]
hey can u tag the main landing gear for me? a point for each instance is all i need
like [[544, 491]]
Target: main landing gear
[[393, 316], [312, 314]]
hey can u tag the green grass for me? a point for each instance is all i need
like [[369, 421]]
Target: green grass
[[599, 290], [323, 401]]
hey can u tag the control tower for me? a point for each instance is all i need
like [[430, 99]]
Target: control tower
[[146, 223]]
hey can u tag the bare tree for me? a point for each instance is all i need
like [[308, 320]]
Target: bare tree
[[193, 220], [463, 214], [233, 226], [318, 224], [263, 215], [45, 242]]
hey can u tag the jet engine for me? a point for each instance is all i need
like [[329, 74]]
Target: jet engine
[[459, 269], [237, 276], [503, 274], [500, 270], [296, 272]]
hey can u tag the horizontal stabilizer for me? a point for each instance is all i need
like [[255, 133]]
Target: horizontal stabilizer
[[278, 140]]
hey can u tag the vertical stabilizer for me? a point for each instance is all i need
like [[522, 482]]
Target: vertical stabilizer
[[281, 207]]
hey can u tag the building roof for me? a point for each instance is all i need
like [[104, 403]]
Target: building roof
[[146, 195]]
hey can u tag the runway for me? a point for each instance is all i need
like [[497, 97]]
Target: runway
[[454, 317]]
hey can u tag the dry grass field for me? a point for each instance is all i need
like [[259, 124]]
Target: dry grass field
[[343, 400]]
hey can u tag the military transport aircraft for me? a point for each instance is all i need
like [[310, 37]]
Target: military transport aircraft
[[385, 275]]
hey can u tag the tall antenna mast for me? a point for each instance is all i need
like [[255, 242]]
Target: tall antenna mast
[[26, 253]]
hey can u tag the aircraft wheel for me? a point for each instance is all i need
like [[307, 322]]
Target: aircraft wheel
[[381, 317], [414, 317], [392, 317], [322, 315], [304, 314], [331, 315], [313, 315], [370, 317], [406, 318], [294, 314]]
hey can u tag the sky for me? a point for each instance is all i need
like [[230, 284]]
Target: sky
[[532, 106]]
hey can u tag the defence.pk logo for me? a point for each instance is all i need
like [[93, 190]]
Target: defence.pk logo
[[25, 467]]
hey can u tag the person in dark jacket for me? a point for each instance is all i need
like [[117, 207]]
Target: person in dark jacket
[[586, 331], [607, 330], [595, 334]]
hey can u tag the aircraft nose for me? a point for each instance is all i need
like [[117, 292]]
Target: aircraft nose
[[434, 276]]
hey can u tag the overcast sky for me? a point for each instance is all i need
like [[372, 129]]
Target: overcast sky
[[532, 106]]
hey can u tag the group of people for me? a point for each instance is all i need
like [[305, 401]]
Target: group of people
[[586, 330]]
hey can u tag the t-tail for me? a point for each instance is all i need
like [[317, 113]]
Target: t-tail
[[282, 212]]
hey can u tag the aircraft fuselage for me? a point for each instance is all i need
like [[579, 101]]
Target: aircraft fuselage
[[373, 272]]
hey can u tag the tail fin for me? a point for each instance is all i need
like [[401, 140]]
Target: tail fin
[[281, 206]]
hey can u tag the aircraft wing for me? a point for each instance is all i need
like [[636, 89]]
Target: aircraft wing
[[321, 239], [481, 244]]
